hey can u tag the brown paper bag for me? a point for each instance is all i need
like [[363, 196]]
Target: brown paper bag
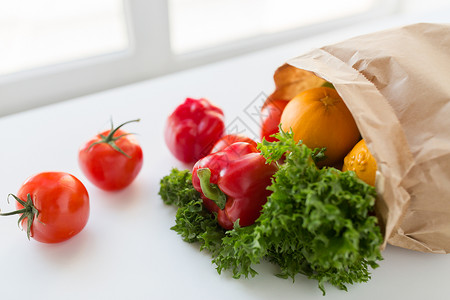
[[396, 83]]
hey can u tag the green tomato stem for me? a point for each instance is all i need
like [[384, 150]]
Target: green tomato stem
[[110, 137], [28, 211], [111, 140]]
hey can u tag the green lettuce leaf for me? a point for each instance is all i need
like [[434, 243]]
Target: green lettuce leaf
[[316, 222]]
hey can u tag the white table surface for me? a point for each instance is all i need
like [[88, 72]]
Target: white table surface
[[127, 250]]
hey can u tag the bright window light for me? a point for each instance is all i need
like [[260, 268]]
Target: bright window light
[[36, 33], [197, 24]]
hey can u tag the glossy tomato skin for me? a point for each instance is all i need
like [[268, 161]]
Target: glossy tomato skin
[[62, 202], [106, 167], [271, 116]]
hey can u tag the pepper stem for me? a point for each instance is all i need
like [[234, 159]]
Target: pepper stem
[[28, 211], [210, 190]]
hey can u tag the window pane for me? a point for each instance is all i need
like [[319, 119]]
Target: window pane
[[197, 24], [35, 33]]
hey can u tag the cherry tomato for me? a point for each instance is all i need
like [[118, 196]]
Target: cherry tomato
[[229, 139], [271, 115], [54, 206], [112, 159]]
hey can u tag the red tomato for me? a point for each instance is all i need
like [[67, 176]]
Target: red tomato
[[229, 139], [54, 206], [271, 115], [112, 159]]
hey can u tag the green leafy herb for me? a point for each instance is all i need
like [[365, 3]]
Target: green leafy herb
[[317, 222], [193, 222], [176, 188]]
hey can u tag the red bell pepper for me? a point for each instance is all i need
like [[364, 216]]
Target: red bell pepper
[[229, 139], [270, 117], [193, 129], [233, 183]]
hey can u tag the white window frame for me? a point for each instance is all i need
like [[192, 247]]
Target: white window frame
[[149, 38]]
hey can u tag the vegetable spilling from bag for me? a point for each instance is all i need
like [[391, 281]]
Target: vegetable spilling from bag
[[318, 220], [276, 202]]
